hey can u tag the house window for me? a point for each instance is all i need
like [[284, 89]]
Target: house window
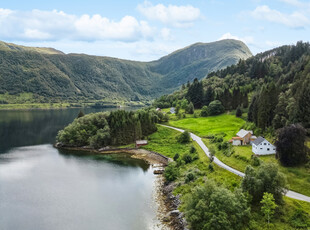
[[261, 148], [274, 149], [265, 144], [268, 149]]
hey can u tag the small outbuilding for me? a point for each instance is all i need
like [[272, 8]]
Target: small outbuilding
[[261, 146], [243, 137], [158, 109], [140, 143], [172, 110]]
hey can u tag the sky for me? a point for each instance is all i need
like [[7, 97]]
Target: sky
[[147, 30]]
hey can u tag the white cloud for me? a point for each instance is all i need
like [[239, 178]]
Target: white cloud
[[177, 16], [297, 3], [295, 20], [248, 39], [166, 34], [57, 25]]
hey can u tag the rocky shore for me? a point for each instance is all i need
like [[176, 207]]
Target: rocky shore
[[174, 216]]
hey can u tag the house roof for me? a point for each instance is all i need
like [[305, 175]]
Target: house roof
[[258, 140], [237, 138], [243, 133]]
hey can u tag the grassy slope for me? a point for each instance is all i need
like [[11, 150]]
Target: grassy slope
[[164, 141], [298, 177]]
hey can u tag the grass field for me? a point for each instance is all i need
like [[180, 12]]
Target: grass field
[[204, 126], [164, 141]]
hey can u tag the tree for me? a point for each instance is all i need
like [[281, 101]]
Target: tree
[[208, 96], [266, 178], [204, 111], [215, 108], [268, 206], [171, 171], [291, 149], [238, 112], [214, 207], [252, 114], [195, 93], [184, 137], [190, 108], [81, 114]]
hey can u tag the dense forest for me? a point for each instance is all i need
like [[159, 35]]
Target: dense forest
[[115, 128], [49, 75], [274, 86]]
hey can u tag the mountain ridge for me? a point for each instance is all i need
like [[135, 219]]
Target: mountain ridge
[[52, 74]]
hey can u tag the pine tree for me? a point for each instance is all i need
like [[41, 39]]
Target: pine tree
[[195, 94], [208, 96], [238, 112], [81, 114]]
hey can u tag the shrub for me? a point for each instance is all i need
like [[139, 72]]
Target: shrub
[[193, 149], [176, 156], [211, 167], [255, 161], [300, 219], [187, 158], [224, 145], [189, 177], [184, 137], [171, 172], [204, 111], [215, 108]]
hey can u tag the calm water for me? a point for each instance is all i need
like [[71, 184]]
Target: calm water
[[44, 188]]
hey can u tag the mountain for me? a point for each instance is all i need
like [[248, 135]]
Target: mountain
[[50, 74]]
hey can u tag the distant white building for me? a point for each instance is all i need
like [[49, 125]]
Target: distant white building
[[172, 110], [261, 146]]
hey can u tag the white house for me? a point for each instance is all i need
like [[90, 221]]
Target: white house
[[172, 110], [261, 146]]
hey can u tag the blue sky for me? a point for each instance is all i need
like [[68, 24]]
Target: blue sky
[[147, 30]]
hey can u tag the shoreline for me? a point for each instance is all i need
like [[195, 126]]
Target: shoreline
[[152, 158]]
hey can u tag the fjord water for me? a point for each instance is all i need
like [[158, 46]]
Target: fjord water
[[44, 188]]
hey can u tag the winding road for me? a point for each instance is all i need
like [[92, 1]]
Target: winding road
[[289, 193]]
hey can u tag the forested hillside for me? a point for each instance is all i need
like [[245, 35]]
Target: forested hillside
[[274, 85], [50, 75]]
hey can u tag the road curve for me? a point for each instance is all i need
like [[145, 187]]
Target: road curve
[[289, 193]]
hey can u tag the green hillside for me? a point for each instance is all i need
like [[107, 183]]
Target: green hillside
[[50, 75]]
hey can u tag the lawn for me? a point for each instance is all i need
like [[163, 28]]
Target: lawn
[[204, 126], [164, 141]]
